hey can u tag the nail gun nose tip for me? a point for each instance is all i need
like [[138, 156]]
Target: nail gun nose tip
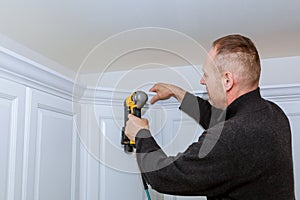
[[140, 98]]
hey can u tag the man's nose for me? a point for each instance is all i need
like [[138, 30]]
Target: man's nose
[[202, 81]]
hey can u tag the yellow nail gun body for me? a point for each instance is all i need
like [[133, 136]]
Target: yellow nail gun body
[[132, 105]]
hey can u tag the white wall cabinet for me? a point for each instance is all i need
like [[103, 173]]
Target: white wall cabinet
[[38, 145]]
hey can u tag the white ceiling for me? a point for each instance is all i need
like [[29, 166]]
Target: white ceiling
[[87, 36]]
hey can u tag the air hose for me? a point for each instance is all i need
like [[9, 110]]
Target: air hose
[[146, 188]]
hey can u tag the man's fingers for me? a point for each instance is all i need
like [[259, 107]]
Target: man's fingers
[[136, 121], [145, 120], [156, 87], [131, 116], [154, 99], [162, 92], [153, 89]]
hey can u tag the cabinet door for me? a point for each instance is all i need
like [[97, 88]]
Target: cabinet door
[[50, 148], [12, 112]]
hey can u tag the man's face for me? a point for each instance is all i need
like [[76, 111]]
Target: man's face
[[213, 81]]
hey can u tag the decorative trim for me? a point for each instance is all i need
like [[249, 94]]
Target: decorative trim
[[105, 96], [26, 72], [75, 156], [29, 73], [281, 93], [27, 125], [293, 114], [42, 110], [12, 149], [54, 110], [38, 146]]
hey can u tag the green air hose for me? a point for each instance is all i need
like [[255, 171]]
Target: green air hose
[[148, 194], [146, 188]]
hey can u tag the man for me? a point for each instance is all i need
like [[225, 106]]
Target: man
[[245, 151]]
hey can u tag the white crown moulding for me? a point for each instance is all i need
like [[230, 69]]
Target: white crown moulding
[[29, 73], [34, 75]]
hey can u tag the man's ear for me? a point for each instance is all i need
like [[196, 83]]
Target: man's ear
[[228, 81]]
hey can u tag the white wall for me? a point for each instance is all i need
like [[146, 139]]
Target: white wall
[[279, 71]]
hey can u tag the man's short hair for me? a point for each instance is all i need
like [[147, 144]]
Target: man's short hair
[[240, 53]]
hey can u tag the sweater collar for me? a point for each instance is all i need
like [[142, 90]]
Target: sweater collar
[[244, 103]]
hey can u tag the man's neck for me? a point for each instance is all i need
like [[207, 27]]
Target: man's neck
[[233, 94]]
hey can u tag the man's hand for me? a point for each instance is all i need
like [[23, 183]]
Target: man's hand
[[165, 91], [133, 125]]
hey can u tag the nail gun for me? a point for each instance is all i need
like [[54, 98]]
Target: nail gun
[[132, 105]]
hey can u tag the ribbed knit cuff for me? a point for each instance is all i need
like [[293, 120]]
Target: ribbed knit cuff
[[143, 133]]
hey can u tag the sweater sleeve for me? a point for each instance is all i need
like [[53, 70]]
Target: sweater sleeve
[[188, 173], [200, 110]]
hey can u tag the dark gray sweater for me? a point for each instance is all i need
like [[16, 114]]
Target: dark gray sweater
[[244, 153]]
